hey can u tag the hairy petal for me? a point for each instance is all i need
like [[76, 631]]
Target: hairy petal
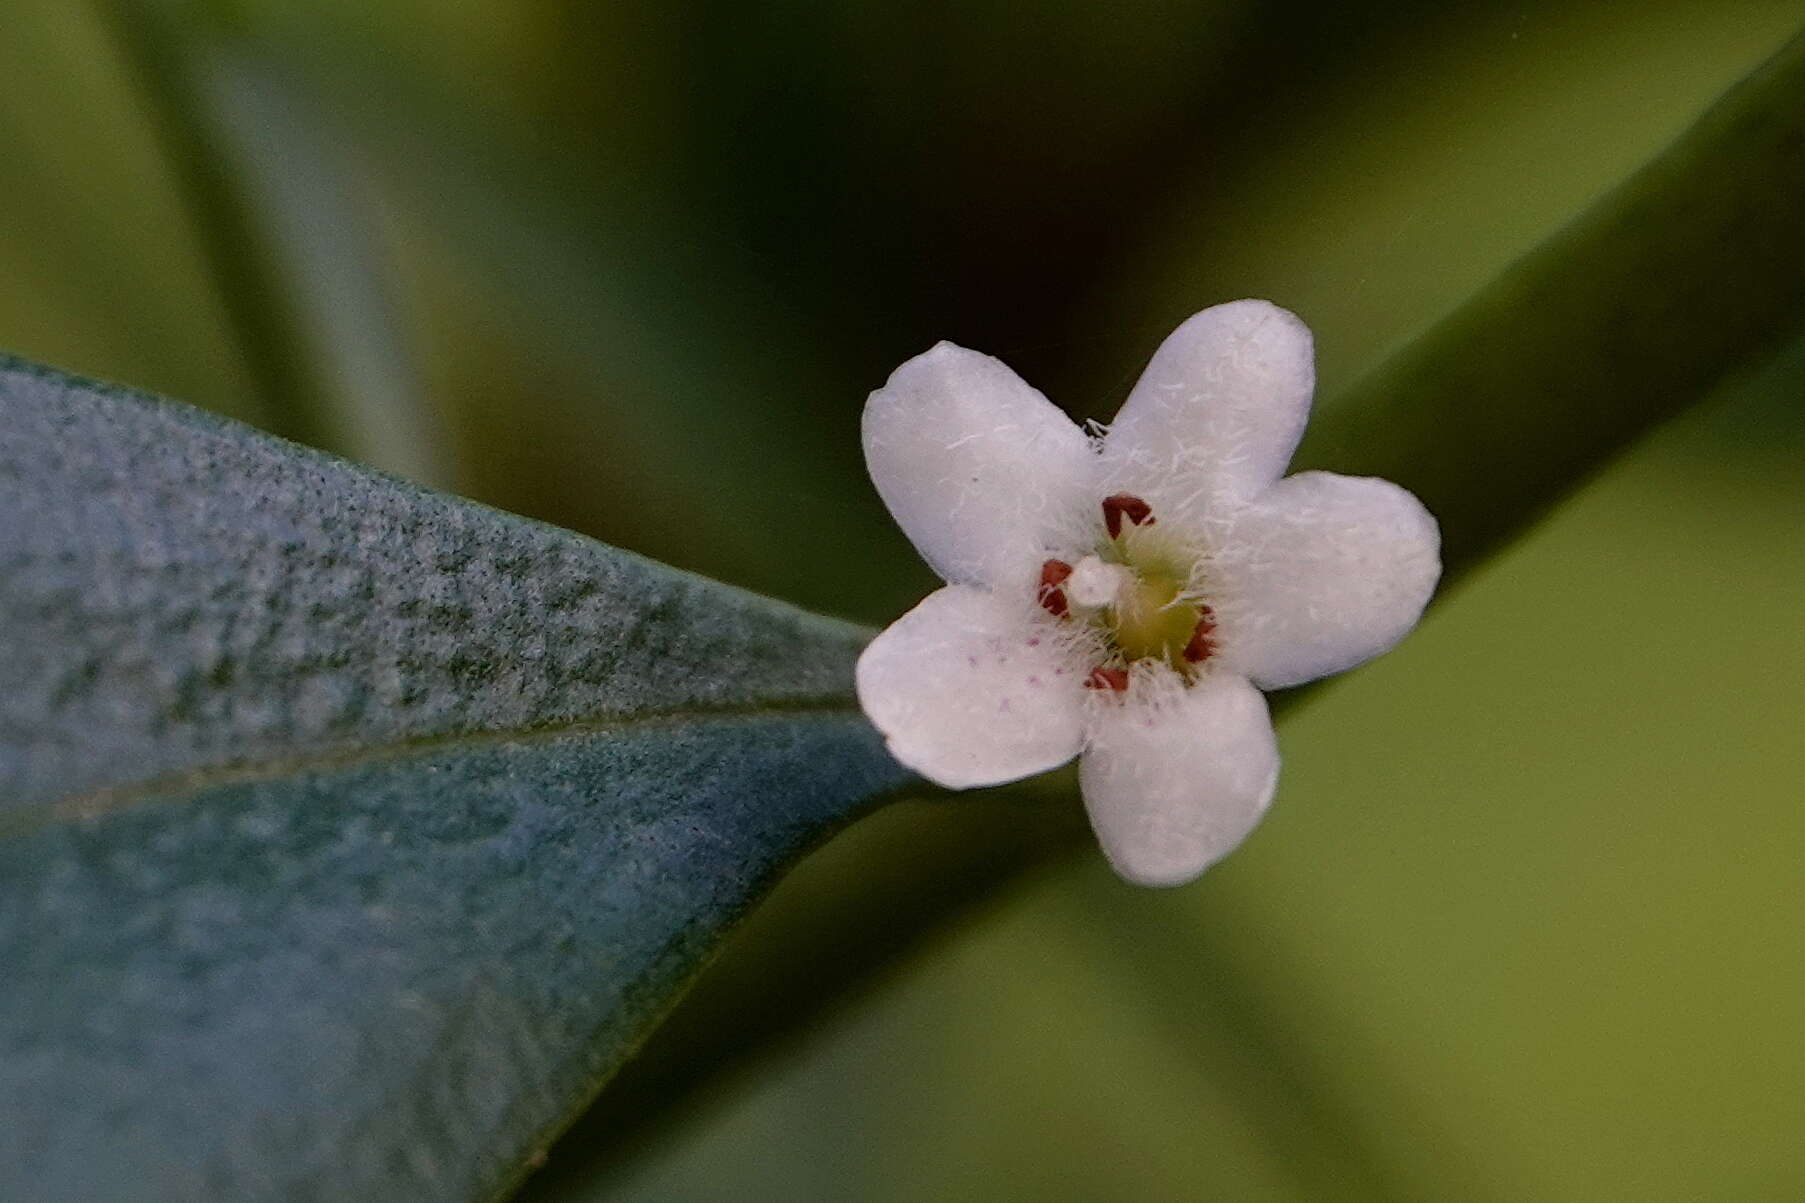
[[970, 689], [1173, 789], [979, 470], [1218, 412], [1320, 574]]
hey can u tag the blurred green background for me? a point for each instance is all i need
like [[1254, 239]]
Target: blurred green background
[[1527, 921]]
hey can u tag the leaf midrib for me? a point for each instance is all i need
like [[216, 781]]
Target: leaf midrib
[[114, 799]]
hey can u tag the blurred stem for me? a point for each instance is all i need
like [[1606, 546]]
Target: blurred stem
[[1689, 269], [248, 273], [1228, 1030], [289, 237]]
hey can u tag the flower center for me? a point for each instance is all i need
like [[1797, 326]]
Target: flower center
[[1135, 593], [1151, 618]]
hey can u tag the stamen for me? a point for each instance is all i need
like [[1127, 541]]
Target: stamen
[[1201, 646], [1125, 505], [1052, 598], [1105, 677]]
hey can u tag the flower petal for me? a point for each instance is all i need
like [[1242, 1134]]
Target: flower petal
[[1218, 412], [1172, 790], [971, 690], [1321, 573], [977, 467]]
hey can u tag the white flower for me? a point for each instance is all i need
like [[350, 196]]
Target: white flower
[[1126, 597]]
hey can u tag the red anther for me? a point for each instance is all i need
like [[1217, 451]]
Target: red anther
[[1201, 647], [1104, 677], [1052, 597], [1125, 505]]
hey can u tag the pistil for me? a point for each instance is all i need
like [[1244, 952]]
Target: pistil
[[1096, 582]]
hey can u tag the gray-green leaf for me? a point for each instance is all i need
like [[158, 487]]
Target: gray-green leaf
[[351, 834]]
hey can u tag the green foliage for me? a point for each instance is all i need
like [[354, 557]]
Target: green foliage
[[353, 834]]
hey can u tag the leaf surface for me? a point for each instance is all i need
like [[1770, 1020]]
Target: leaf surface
[[351, 834]]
